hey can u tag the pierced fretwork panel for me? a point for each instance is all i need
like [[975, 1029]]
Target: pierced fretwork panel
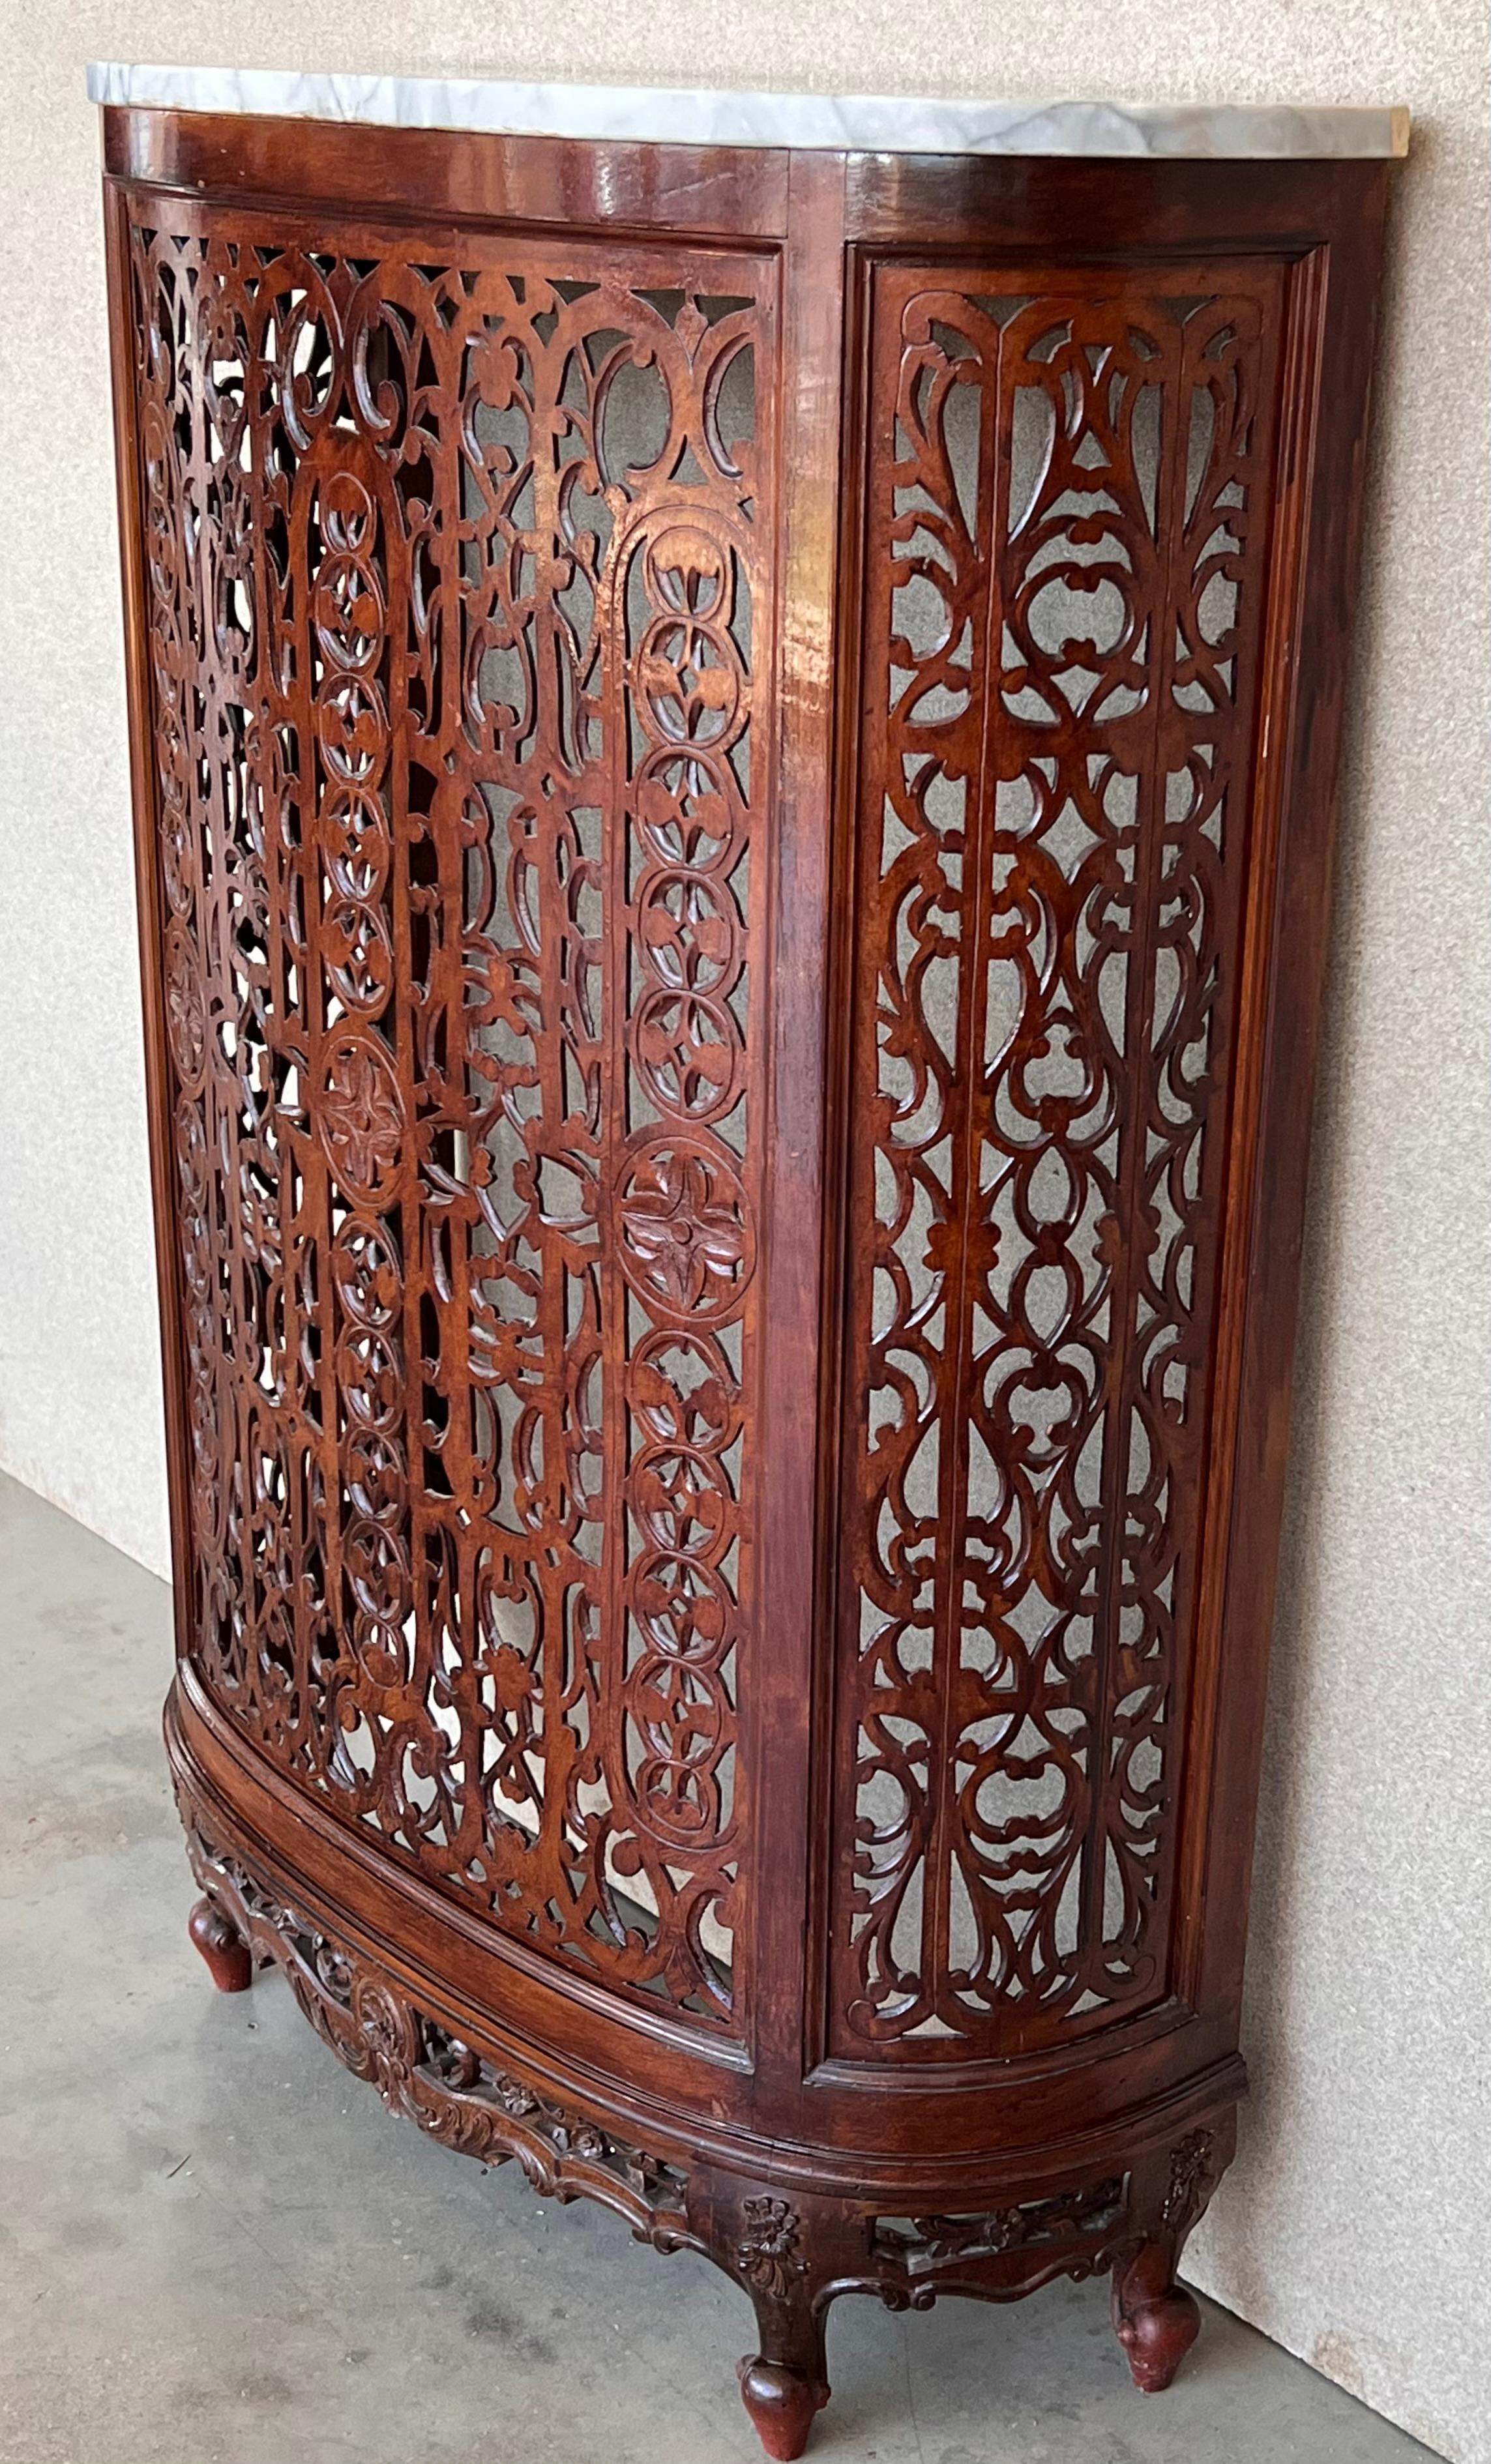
[[459, 575], [1064, 580]]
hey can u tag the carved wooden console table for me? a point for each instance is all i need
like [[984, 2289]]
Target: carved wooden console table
[[736, 715]]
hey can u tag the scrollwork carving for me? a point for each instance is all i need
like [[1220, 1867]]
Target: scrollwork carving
[[925, 2244], [1065, 599], [427, 2075], [1002, 2251], [458, 591]]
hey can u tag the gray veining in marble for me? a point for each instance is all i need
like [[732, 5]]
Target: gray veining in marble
[[851, 123]]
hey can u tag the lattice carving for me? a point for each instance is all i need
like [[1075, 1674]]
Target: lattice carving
[[1066, 550], [458, 585]]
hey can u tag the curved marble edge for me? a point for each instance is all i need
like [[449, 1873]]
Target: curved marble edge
[[845, 123]]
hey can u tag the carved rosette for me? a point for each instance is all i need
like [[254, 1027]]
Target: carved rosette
[[767, 2254]]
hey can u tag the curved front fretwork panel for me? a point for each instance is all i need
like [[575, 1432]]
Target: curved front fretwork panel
[[460, 568]]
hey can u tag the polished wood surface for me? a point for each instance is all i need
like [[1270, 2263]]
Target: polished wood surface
[[734, 760]]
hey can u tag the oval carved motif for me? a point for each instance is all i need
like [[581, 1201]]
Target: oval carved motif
[[687, 1242], [360, 1114]]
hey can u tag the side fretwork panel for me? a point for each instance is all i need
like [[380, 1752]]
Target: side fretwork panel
[[1067, 519], [459, 578]]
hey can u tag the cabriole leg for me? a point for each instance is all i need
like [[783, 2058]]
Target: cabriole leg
[[222, 1946], [1156, 2319], [785, 2383]]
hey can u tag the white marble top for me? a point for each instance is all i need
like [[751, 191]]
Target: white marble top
[[856, 123]]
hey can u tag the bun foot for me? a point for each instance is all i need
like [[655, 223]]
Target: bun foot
[[782, 2403], [1156, 2331], [224, 1948]]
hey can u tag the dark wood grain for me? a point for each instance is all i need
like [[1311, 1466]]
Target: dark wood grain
[[734, 758]]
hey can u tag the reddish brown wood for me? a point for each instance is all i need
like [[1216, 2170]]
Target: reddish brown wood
[[227, 1954], [782, 2404], [1055, 844], [1155, 2330], [732, 764]]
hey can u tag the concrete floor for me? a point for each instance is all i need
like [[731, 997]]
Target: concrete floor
[[215, 2247]]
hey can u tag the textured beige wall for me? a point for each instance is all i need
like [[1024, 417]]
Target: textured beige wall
[[1356, 2227]]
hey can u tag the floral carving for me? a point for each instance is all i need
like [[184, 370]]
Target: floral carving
[[1191, 2181], [767, 2254], [185, 1015], [688, 668], [359, 1116], [685, 1236], [687, 1051]]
